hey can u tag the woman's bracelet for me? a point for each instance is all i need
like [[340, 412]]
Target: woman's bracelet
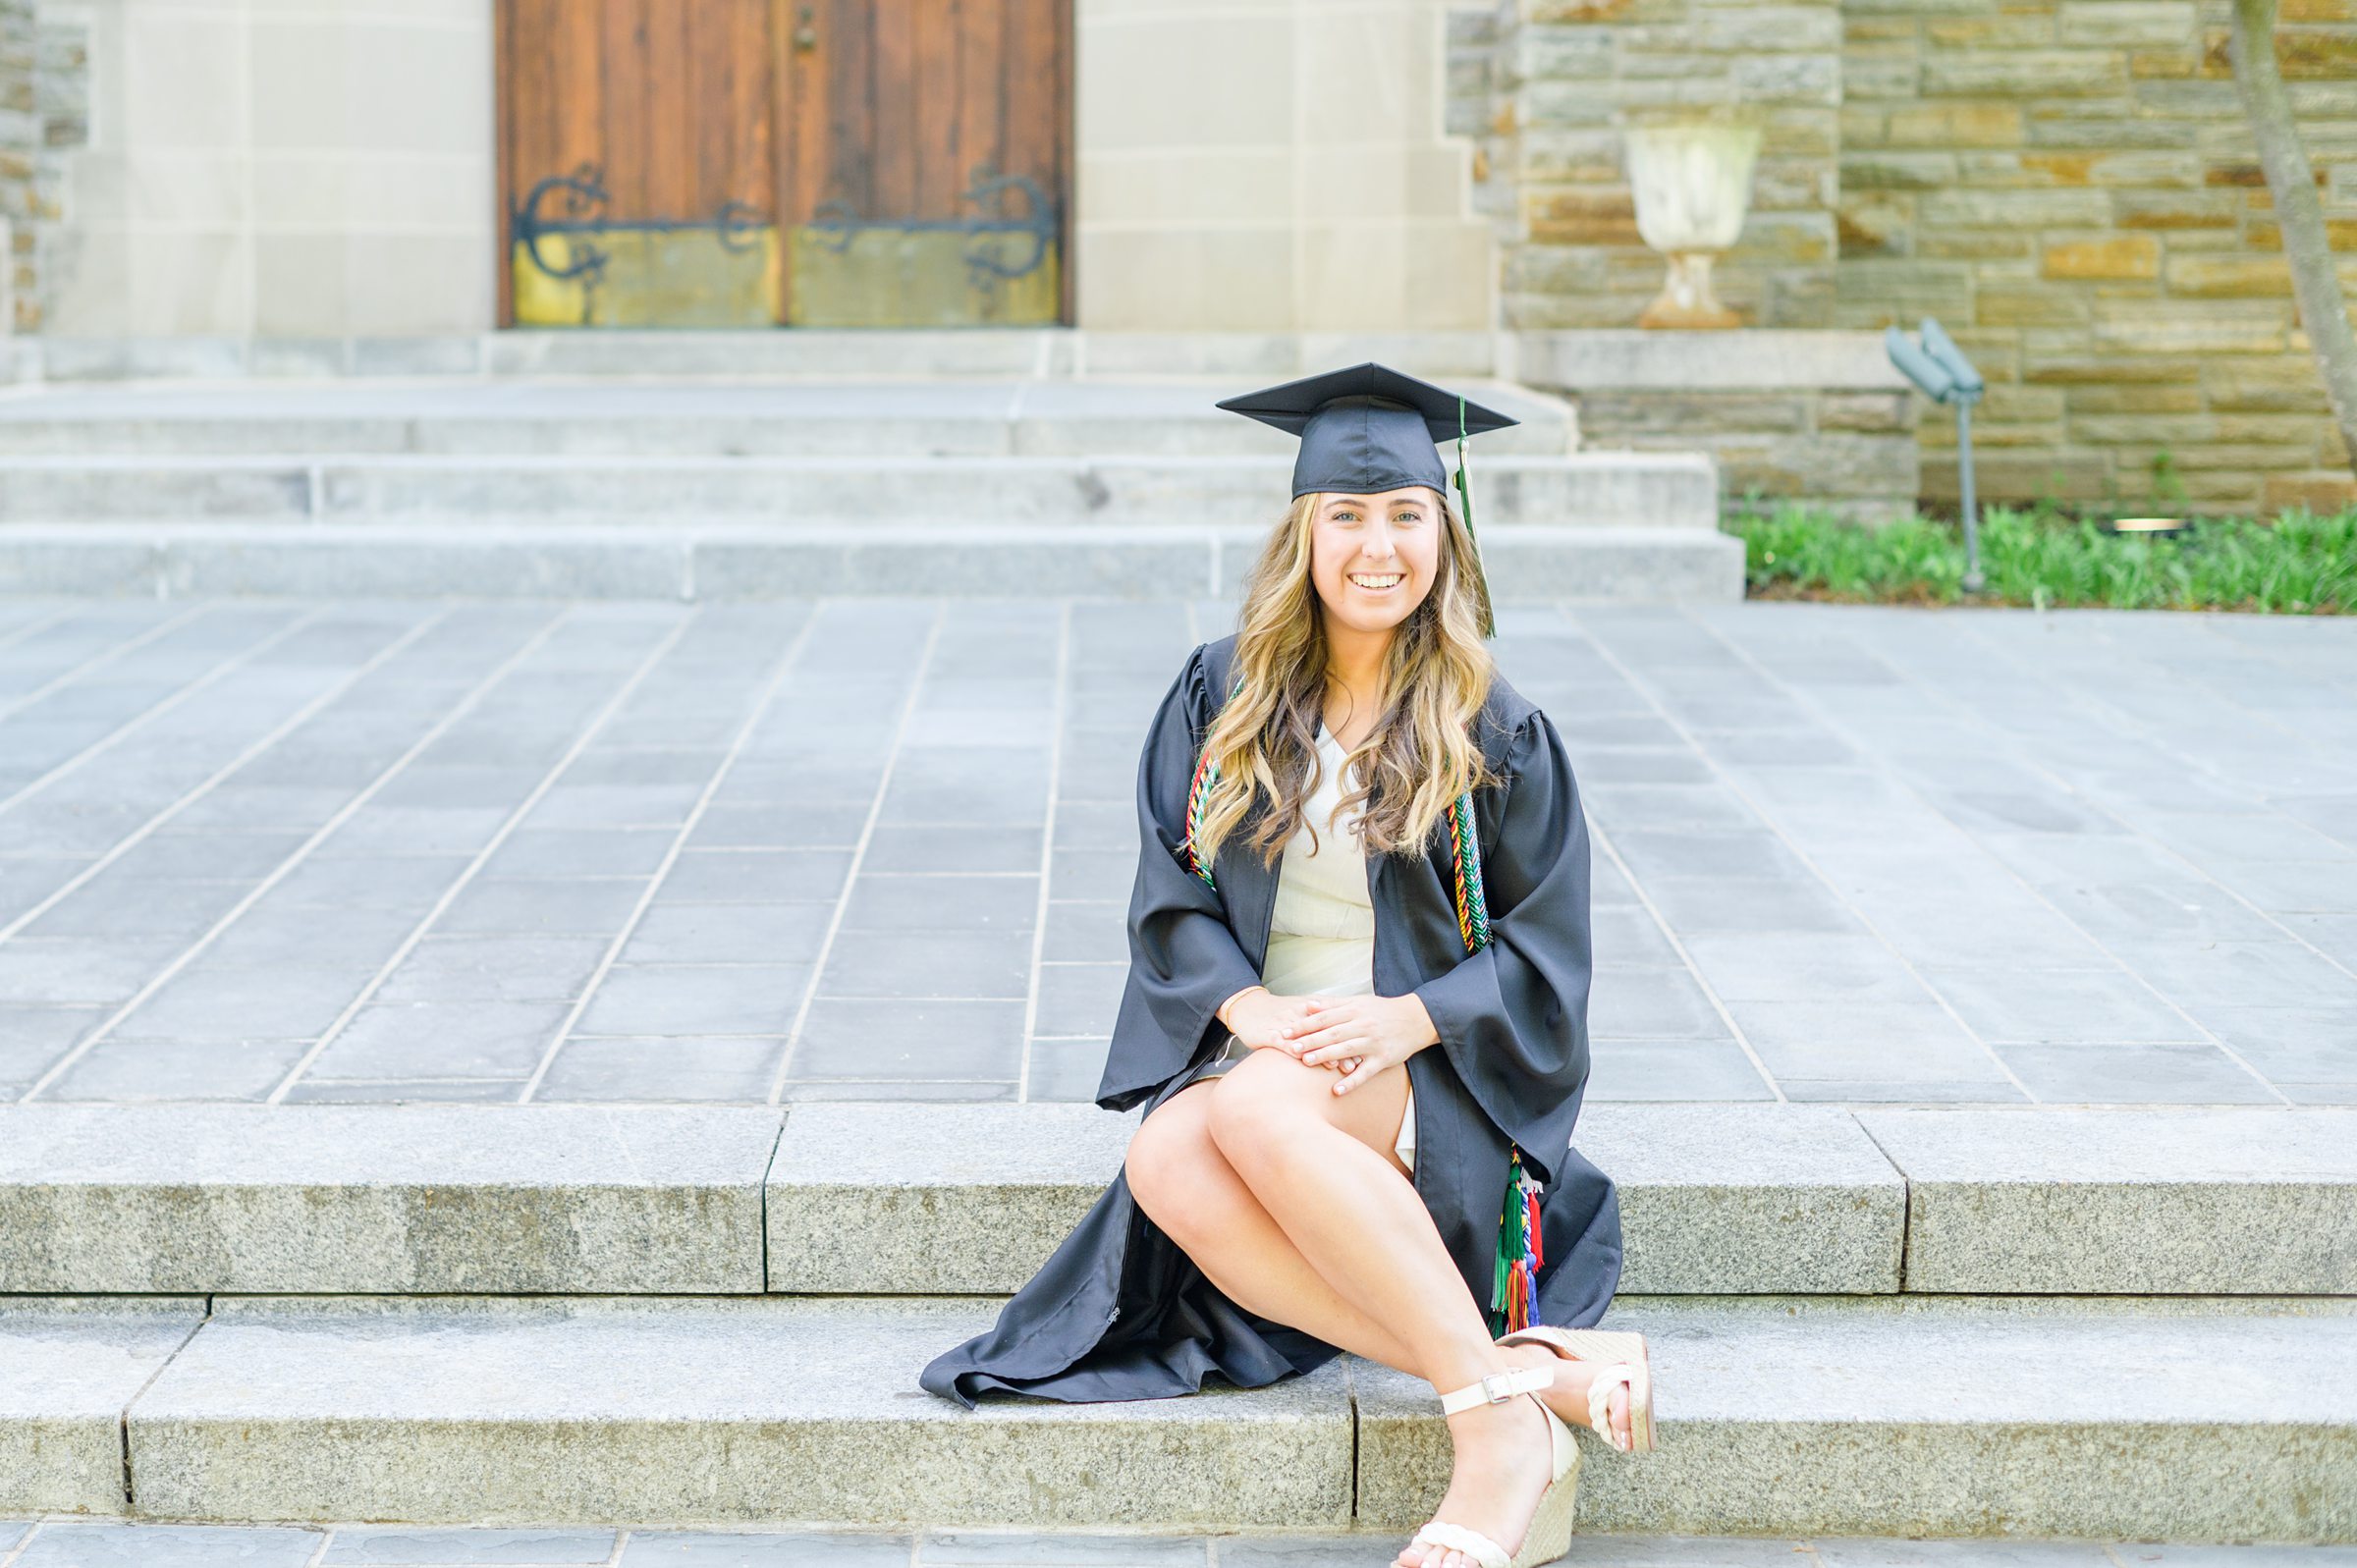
[[1221, 1011]]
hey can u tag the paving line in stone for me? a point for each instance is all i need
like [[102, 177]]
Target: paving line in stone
[[2238, 630], [426, 923], [2165, 736], [781, 669], [169, 1546], [2230, 658], [1058, 706], [162, 706], [291, 861], [2032, 762], [2126, 678], [32, 621], [97, 661], [919, 668], [1903, 779], [1603, 839], [1603, 836], [303, 714], [2100, 698], [1759, 809], [2094, 691], [23, 607], [2218, 626], [2154, 691]]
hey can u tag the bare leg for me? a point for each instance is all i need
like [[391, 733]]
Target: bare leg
[[1185, 1185], [1307, 1154]]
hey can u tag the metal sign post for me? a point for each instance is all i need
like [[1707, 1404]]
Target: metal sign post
[[1940, 369]]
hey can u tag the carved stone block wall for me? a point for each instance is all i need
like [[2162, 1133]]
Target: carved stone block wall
[[20, 146], [44, 90], [1564, 74], [1810, 415], [2068, 185]]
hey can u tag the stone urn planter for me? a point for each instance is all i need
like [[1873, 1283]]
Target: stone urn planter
[[1692, 185]]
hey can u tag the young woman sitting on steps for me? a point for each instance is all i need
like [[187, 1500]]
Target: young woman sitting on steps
[[1360, 936]]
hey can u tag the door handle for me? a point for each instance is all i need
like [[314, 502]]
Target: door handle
[[805, 33]]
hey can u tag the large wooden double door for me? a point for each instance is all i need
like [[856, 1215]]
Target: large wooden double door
[[808, 162]]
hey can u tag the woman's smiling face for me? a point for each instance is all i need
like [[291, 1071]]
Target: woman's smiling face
[[1373, 558]]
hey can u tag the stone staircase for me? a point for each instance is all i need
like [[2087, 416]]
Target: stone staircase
[[702, 486], [2123, 1322]]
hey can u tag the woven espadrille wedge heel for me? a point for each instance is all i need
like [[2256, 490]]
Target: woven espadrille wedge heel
[[1550, 1534], [1621, 1359]]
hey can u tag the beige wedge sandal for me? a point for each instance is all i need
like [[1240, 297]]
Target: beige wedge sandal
[[1623, 1363], [1550, 1534]]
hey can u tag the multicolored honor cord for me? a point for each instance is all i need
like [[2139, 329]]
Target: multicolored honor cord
[[1198, 793], [1465, 845], [1513, 1293]]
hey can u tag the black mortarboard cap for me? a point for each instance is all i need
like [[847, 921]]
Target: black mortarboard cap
[[1369, 428]]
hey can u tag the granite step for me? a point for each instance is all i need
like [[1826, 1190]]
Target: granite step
[[1717, 1199], [1234, 359], [894, 1198], [111, 1542], [695, 488], [1104, 492], [705, 560], [2183, 1420], [589, 419]]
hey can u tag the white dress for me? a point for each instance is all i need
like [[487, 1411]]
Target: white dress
[[1322, 931]]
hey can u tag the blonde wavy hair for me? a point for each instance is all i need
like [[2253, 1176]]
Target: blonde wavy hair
[[1421, 754]]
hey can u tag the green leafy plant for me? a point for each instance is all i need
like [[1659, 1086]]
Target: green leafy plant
[[2300, 563], [2169, 486]]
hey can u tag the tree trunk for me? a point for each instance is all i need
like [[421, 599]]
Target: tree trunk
[[2291, 181]]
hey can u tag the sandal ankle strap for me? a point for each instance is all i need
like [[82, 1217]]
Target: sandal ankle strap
[[1497, 1389]]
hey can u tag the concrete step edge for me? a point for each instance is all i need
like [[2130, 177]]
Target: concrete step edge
[[1576, 463], [1790, 1415], [1671, 490], [1045, 353], [919, 1197], [298, 555], [505, 531]]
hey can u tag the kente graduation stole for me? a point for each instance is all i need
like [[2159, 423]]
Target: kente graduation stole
[[1513, 1285]]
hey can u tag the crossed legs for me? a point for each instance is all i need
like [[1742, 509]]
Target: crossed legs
[[1289, 1199], [1179, 1176]]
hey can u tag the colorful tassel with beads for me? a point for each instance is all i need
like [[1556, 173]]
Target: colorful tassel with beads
[[1514, 1291]]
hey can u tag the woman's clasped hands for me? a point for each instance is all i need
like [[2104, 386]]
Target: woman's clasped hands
[[1354, 1036]]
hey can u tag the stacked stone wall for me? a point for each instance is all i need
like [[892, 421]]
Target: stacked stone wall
[[20, 145], [2068, 185], [1851, 452], [1564, 76], [44, 76]]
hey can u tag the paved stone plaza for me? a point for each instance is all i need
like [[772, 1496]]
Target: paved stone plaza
[[467, 850], [69, 1544]]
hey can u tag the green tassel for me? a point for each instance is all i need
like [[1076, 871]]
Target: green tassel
[[1464, 497]]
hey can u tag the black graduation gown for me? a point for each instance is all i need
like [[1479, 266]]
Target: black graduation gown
[[1118, 1310]]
